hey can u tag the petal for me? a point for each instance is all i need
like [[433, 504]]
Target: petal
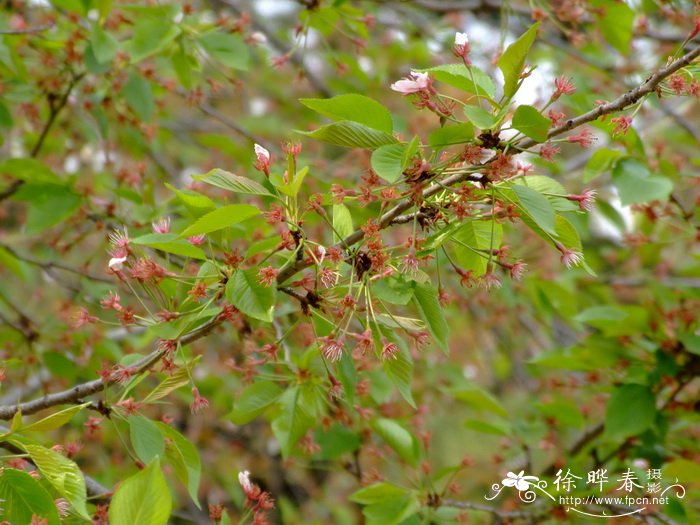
[[261, 152], [521, 485], [116, 262]]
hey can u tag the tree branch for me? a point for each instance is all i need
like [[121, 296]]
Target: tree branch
[[619, 104], [623, 101], [77, 393]]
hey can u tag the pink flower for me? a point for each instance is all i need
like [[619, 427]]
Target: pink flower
[[267, 275], [414, 83], [292, 148], [585, 138], [622, 124], [81, 317], [196, 240], [563, 86], [199, 403], [548, 150], [332, 349], [586, 200], [517, 270], [162, 225], [569, 258], [490, 280], [389, 351], [262, 159], [244, 480], [111, 301]]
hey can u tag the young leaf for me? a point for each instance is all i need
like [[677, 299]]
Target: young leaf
[[227, 48], [480, 117], [448, 135], [398, 438], [63, 474], [151, 35], [142, 498], [292, 422], [351, 135], [170, 243], [617, 24], [636, 184], [235, 183], [353, 107], [400, 371], [104, 45], [389, 162], [460, 76], [254, 400], [22, 497], [531, 123], [146, 438], [137, 93], [221, 218], [630, 411], [537, 206], [342, 222], [183, 456], [55, 420], [512, 60], [249, 296], [176, 380], [426, 298], [601, 161]]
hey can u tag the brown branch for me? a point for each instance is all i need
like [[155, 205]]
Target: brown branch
[[619, 104], [623, 101], [77, 393]]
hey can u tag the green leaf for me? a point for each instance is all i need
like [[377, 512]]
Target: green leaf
[[512, 60], [601, 161], [480, 117], [235, 183], [171, 243], [398, 438], [63, 474], [142, 498], [342, 222], [138, 94], [531, 123], [176, 380], [254, 400], [221, 218], [49, 205], [635, 183], [400, 371], [104, 45], [617, 24], [183, 456], [227, 48], [630, 411], [293, 421], [146, 439], [55, 420], [353, 107], [537, 206], [150, 36], [426, 299], [292, 188], [460, 76], [29, 170], [448, 135], [337, 441], [376, 493], [350, 134], [251, 297], [22, 496], [389, 162], [472, 242], [480, 399]]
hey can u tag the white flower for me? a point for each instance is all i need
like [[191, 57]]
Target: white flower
[[414, 83], [461, 39], [115, 263], [244, 480], [261, 153], [518, 481]]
